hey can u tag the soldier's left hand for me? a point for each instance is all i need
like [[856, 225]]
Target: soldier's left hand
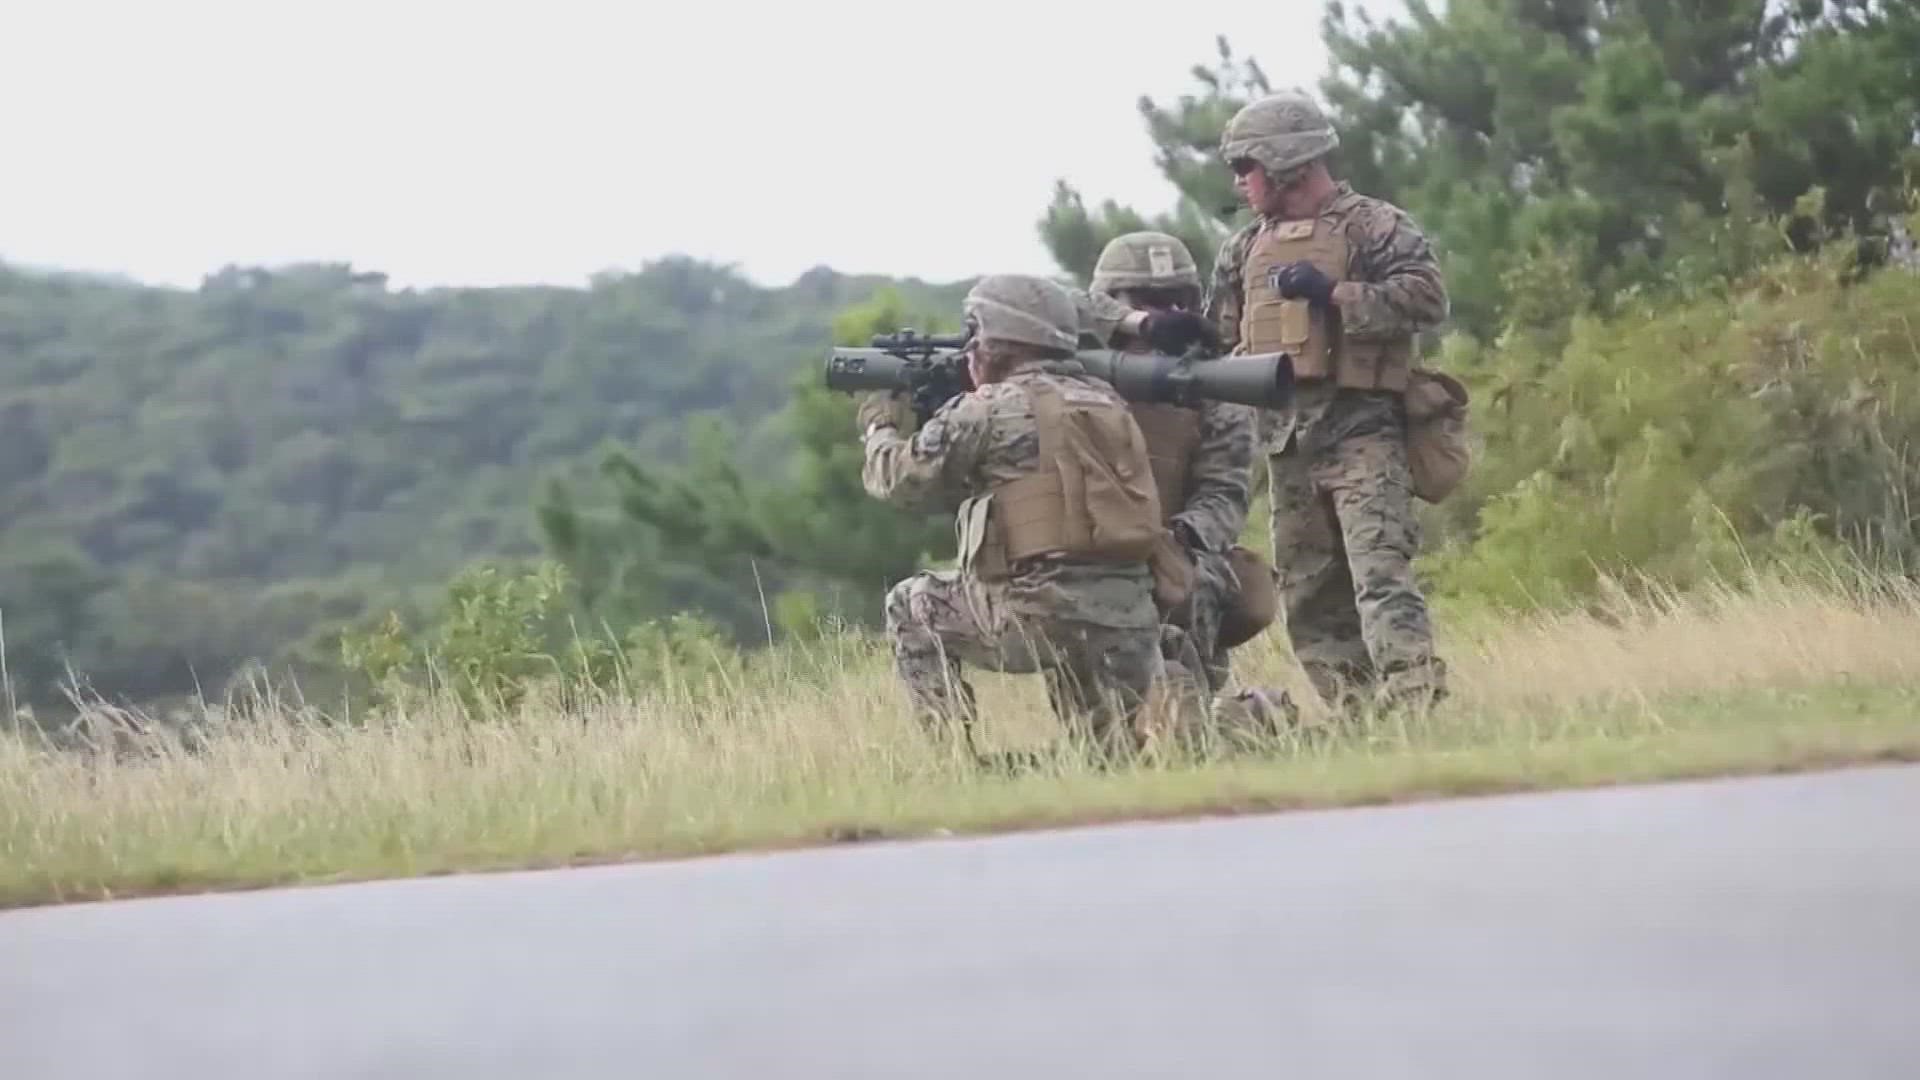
[[1174, 332], [888, 407], [1304, 281]]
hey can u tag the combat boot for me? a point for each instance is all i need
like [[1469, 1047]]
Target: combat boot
[[1413, 689], [1255, 717]]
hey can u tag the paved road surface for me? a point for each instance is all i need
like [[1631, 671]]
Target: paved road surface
[[1765, 928]]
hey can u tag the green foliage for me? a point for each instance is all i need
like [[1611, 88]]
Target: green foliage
[[1660, 224], [1186, 137], [489, 641], [1617, 191], [1684, 441], [1643, 141], [193, 479], [1643, 138], [502, 632], [805, 541], [822, 520]]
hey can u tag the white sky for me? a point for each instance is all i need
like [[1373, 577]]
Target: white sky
[[487, 143]]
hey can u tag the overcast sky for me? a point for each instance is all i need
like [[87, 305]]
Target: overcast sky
[[483, 142]]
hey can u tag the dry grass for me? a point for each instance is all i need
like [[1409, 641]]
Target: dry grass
[[1770, 676]]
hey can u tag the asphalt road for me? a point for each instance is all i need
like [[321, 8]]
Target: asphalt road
[[1760, 928]]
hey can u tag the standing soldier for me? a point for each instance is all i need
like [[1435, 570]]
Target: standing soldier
[[1202, 465], [1343, 282], [1056, 515]]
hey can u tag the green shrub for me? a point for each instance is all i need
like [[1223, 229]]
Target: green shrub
[[501, 632], [1682, 441]]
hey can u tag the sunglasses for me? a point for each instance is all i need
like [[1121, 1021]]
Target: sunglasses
[[1243, 166], [1154, 298]]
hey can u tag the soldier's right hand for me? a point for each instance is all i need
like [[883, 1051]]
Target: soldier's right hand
[[1174, 332]]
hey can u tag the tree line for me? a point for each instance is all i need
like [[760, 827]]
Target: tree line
[[1667, 229]]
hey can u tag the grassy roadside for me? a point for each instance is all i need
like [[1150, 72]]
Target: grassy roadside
[[1764, 679]]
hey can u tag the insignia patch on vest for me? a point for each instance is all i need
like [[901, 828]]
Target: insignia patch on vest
[[1084, 395], [1294, 230], [1160, 260], [1273, 276]]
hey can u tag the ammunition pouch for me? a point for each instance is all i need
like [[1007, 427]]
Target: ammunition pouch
[[1438, 451], [1373, 365], [1253, 603], [982, 554]]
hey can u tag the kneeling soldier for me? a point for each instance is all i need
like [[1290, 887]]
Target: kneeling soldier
[[1057, 517]]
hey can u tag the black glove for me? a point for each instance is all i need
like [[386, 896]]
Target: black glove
[[943, 383], [1304, 281], [1174, 332]]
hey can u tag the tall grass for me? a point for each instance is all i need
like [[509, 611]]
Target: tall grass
[[1769, 673]]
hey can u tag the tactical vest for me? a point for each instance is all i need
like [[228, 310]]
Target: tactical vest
[[1272, 323], [1092, 496], [1172, 433]]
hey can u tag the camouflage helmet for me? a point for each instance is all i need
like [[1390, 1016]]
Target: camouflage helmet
[[1145, 260], [1031, 310], [1281, 131]]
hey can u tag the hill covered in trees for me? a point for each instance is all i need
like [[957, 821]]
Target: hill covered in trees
[[1679, 239], [193, 478]]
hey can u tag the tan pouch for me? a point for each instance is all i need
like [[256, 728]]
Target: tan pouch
[[1296, 324], [982, 553], [1438, 451], [1254, 602]]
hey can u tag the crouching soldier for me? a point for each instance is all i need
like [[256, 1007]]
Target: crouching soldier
[[1202, 459], [1056, 514]]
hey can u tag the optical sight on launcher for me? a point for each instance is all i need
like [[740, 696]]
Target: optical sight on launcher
[[931, 369]]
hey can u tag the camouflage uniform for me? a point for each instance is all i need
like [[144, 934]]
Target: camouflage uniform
[[1344, 531], [1103, 318], [1089, 625], [1206, 506], [1219, 482]]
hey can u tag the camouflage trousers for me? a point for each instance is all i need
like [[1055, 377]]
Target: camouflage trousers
[[1097, 677], [1191, 634], [1344, 539]]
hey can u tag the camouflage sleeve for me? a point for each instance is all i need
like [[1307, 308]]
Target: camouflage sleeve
[[1101, 316], [1226, 293], [1395, 287], [1220, 476], [933, 468]]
